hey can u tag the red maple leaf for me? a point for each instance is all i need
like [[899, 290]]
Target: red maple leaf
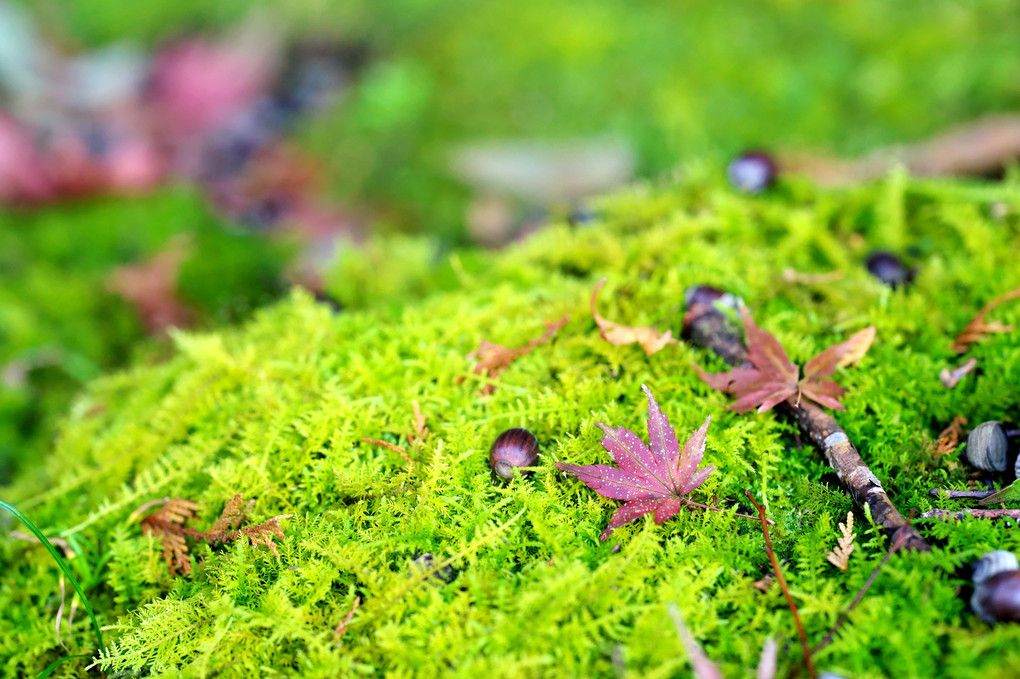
[[651, 478], [772, 378]]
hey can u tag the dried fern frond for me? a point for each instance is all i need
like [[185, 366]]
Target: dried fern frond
[[263, 533], [232, 515], [840, 554], [168, 525]]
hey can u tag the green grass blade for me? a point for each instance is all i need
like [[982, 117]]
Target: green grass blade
[[63, 566], [57, 663]]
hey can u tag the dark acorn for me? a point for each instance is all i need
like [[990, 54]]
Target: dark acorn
[[427, 563], [708, 295], [513, 448], [582, 216], [752, 172], [996, 595], [890, 269]]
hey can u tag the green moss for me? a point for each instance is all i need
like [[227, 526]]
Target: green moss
[[277, 410], [60, 326]]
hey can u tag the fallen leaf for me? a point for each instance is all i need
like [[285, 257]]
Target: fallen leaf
[[493, 359], [793, 276], [650, 339], [950, 378], [151, 287], [1010, 493], [949, 439], [650, 478], [772, 378], [700, 663], [421, 432], [769, 659], [978, 328], [840, 554]]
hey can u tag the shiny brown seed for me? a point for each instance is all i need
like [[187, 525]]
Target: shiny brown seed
[[513, 448]]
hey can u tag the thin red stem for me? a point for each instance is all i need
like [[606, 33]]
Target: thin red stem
[[717, 509], [782, 584]]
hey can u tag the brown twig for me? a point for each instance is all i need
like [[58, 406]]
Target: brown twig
[[782, 584], [950, 378], [974, 148], [898, 542], [962, 494], [706, 326], [342, 627], [973, 513]]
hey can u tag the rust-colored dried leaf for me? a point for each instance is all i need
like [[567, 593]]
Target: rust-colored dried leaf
[[493, 359], [979, 328], [840, 554], [840, 355], [950, 378], [650, 339], [151, 287], [772, 378]]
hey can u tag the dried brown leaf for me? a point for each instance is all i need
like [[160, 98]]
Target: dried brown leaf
[[979, 328], [421, 431], [151, 287], [650, 339], [840, 554], [493, 359], [700, 663], [950, 378], [772, 378]]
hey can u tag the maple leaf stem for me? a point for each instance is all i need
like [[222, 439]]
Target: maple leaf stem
[[782, 584], [717, 509]]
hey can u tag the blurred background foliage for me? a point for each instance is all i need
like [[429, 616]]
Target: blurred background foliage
[[702, 80]]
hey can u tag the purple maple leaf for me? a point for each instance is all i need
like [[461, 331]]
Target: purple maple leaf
[[650, 478]]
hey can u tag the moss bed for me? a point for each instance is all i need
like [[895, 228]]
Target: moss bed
[[277, 409]]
